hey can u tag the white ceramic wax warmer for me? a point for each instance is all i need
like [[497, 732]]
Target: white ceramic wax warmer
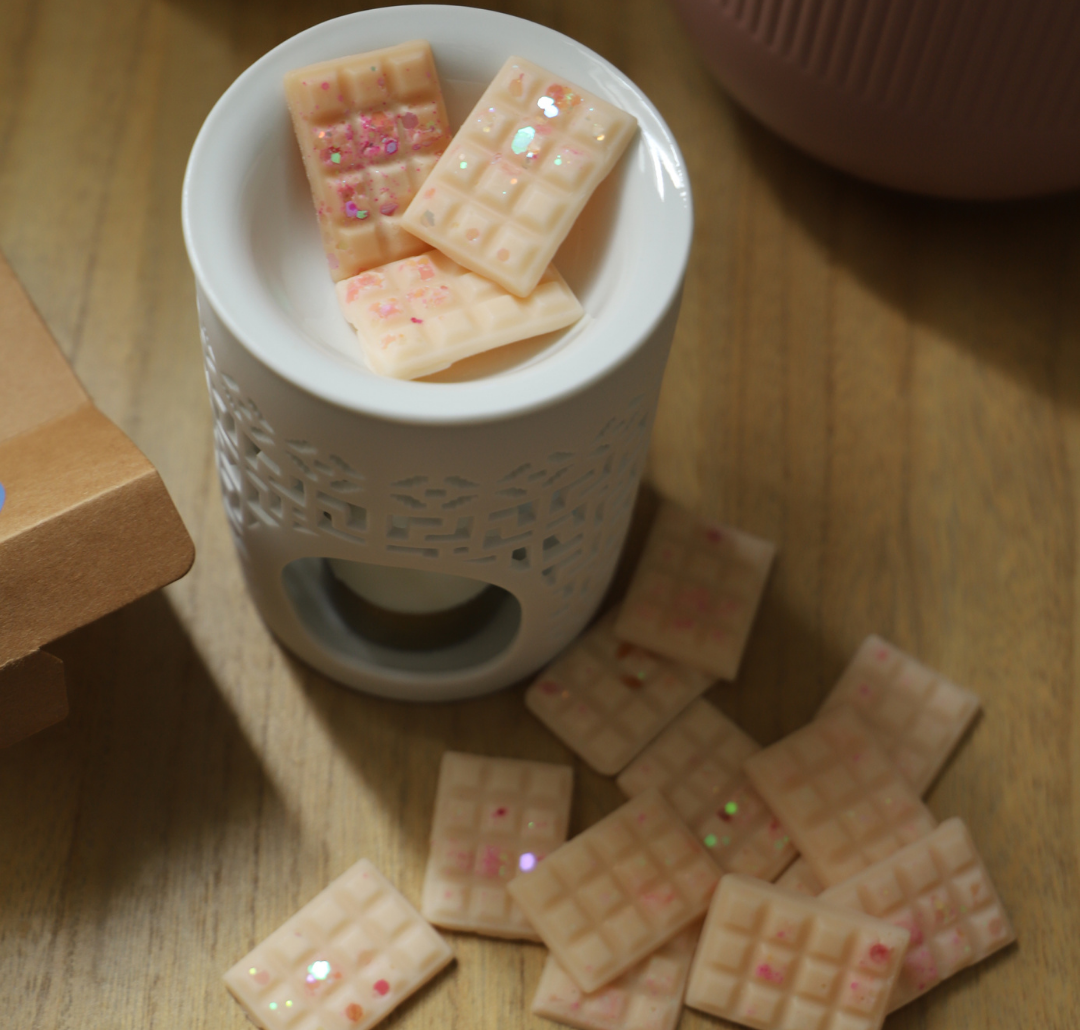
[[518, 470]]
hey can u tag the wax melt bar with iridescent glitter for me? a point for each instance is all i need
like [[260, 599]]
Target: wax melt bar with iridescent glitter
[[607, 699], [420, 315], [647, 997], [371, 128], [495, 818], [774, 959], [917, 715], [696, 763], [939, 890], [618, 891], [695, 592], [343, 962], [517, 174], [844, 803]]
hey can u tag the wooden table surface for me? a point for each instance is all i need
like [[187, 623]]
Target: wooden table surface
[[889, 387]]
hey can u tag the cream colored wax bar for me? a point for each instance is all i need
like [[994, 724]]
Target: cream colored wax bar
[[918, 716], [800, 877], [606, 699], [695, 592], [618, 891], [495, 818], [420, 315], [844, 803], [517, 174], [696, 763], [940, 891], [774, 959], [370, 128], [647, 997], [345, 961]]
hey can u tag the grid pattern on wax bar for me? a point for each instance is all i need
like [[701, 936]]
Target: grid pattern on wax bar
[[346, 959], [647, 997], [371, 127], [918, 715], [420, 315], [695, 591], [696, 763], [772, 959], [495, 818], [517, 174], [939, 890], [618, 891], [844, 803], [606, 699]]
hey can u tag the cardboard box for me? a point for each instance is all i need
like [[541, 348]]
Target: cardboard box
[[86, 524]]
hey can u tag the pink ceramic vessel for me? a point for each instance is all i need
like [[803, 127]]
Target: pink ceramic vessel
[[957, 98]]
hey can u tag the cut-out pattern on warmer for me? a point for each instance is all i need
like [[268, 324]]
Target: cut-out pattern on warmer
[[557, 515]]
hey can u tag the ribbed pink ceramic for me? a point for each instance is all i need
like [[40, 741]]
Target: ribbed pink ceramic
[[958, 98]]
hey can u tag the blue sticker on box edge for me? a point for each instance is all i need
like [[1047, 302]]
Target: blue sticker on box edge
[[1, 496]]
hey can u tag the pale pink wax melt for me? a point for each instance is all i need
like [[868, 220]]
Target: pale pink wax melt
[[618, 891], [776, 960], [695, 591], [844, 803], [495, 819], [939, 890], [345, 961], [516, 176], [420, 315], [371, 128], [696, 763]]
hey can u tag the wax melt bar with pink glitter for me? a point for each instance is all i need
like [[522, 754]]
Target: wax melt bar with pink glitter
[[511, 184], [695, 591], [647, 997], [844, 803], [916, 714], [696, 763], [939, 890], [371, 128], [618, 891], [347, 959], [606, 699], [495, 819], [420, 315], [776, 960]]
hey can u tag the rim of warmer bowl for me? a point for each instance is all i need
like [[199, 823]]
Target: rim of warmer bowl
[[233, 138]]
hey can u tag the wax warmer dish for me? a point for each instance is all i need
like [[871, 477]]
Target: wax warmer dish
[[519, 469]]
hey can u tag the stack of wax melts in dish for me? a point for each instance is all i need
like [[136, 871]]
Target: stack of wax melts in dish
[[801, 885], [441, 245]]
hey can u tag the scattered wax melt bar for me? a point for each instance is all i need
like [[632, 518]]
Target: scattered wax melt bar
[[517, 174], [606, 699], [647, 997], [371, 128], [917, 715], [800, 877], [495, 818], [771, 958], [696, 763], [618, 891], [420, 315], [844, 803], [346, 960], [939, 890], [695, 591]]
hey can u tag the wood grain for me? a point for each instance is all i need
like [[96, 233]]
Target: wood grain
[[887, 386]]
